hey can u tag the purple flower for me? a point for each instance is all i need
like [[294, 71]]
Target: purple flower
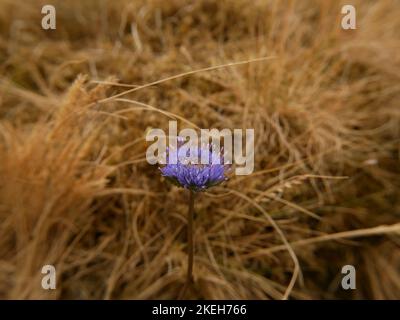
[[192, 174]]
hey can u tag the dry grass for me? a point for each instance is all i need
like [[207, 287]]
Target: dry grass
[[76, 191]]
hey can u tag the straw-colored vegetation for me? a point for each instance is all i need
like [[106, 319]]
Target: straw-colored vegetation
[[77, 192]]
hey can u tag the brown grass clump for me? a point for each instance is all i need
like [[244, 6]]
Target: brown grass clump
[[77, 192]]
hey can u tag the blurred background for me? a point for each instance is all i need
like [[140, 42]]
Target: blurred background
[[77, 193]]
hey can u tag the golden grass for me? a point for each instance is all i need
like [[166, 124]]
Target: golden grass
[[77, 192]]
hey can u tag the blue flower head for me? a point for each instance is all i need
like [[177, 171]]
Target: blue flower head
[[194, 175]]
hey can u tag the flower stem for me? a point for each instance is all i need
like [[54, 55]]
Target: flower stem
[[189, 277], [190, 237]]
